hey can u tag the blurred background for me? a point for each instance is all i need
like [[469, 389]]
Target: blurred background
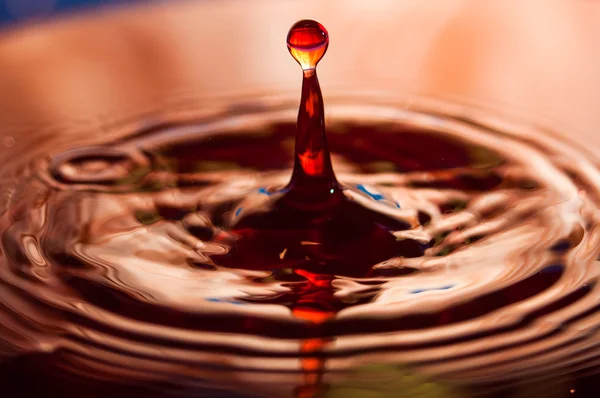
[[14, 11], [77, 72]]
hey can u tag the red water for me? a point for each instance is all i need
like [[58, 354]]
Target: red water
[[446, 257]]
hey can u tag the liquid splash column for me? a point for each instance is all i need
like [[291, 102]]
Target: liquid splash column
[[307, 41]]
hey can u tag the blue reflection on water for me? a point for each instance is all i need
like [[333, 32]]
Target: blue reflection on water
[[375, 196], [433, 288], [224, 300], [363, 189]]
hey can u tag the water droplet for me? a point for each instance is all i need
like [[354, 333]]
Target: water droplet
[[307, 41]]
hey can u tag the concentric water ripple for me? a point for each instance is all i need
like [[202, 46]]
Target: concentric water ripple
[[111, 259]]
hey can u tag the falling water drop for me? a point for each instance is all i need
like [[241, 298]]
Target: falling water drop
[[307, 41]]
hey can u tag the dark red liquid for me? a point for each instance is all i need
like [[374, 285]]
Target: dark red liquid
[[310, 237], [307, 41], [311, 225]]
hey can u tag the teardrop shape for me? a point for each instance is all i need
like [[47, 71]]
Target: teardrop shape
[[307, 41]]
